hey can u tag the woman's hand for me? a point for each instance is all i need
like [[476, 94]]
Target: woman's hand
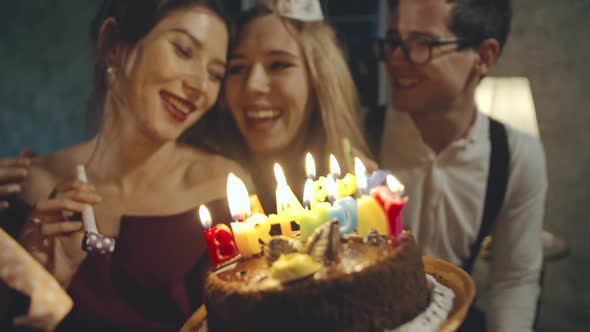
[[54, 235], [13, 172]]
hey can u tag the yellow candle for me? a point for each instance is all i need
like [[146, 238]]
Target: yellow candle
[[346, 186], [261, 225], [370, 215], [283, 220], [246, 238]]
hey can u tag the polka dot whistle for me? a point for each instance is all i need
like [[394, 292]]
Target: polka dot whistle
[[49, 302], [95, 243]]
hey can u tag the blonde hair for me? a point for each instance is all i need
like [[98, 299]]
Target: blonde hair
[[333, 92], [333, 88]]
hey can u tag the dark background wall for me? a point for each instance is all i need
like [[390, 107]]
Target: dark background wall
[[45, 61]]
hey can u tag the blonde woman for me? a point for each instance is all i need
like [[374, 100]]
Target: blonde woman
[[290, 91]]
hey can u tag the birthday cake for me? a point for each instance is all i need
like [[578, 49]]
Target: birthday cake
[[330, 284]]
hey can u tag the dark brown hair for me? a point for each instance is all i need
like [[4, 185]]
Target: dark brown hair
[[478, 19], [134, 20]]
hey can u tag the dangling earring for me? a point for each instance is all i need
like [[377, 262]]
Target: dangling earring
[[111, 75]]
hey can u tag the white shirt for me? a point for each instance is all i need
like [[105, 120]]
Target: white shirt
[[445, 209]]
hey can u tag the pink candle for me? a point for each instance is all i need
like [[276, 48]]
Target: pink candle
[[391, 199]]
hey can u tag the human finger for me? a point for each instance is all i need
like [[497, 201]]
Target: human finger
[[57, 204], [13, 173], [60, 228]]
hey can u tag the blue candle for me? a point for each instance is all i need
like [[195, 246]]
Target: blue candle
[[350, 220]]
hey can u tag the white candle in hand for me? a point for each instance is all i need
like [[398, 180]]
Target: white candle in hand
[[88, 214]]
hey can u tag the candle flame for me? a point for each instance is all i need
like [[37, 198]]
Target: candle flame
[[309, 166], [282, 197], [334, 167], [360, 172], [331, 187], [237, 197], [308, 191], [279, 175], [205, 216], [394, 184]]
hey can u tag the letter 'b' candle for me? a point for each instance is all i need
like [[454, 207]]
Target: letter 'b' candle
[[219, 238]]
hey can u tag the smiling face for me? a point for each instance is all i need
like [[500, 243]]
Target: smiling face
[[447, 77], [267, 85], [172, 76]]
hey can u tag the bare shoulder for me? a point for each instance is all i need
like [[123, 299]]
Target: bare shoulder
[[209, 172], [49, 170], [203, 166]]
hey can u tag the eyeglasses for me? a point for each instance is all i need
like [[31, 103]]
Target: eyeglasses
[[417, 51]]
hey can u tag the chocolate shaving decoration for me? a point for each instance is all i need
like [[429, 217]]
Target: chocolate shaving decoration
[[281, 245], [94, 243], [324, 243], [375, 239]]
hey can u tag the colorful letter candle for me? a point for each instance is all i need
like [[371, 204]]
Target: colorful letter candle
[[349, 206], [392, 200], [345, 186], [248, 229], [220, 243], [318, 191], [310, 220], [343, 209], [371, 216], [286, 199], [370, 213]]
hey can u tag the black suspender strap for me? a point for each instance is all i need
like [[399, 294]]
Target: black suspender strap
[[496, 187]]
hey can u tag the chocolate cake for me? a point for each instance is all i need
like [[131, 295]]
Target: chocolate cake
[[358, 286]]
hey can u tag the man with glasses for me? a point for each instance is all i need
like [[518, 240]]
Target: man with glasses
[[467, 175]]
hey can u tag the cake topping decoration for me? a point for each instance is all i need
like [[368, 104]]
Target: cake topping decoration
[[324, 243], [281, 245], [375, 239], [293, 266]]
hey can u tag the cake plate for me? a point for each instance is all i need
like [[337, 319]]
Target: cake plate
[[460, 282]]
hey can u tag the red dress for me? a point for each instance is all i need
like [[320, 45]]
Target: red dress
[[152, 282]]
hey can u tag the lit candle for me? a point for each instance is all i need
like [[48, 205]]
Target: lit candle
[[378, 178], [391, 198], [369, 212], [220, 243], [308, 191], [286, 199], [361, 176], [287, 217], [334, 167], [331, 187], [255, 205], [345, 186], [248, 229], [315, 188], [309, 166], [237, 198]]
